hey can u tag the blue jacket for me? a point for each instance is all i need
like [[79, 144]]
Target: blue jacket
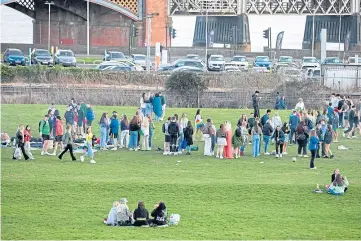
[[264, 119], [329, 112], [114, 125], [282, 136], [294, 121], [313, 144], [124, 127], [69, 117], [90, 114]]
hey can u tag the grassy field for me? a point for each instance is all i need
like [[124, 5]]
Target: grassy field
[[217, 199]]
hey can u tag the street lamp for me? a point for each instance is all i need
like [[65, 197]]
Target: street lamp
[[87, 28], [313, 31], [149, 17], [49, 4], [206, 37], [339, 36]]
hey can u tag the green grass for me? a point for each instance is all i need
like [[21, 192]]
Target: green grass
[[217, 199], [89, 60]]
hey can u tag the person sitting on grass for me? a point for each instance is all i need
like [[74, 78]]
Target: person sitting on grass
[[141, 215], [123, 213], [333, 176], [159, 214], [112, 216], [338, 186]]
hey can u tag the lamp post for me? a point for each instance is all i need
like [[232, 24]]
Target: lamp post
[[49, 5], [339, 37], [313, 31], [149, 17], [87, 29], [206, 37]]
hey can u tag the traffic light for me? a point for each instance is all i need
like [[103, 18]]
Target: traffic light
[[174, 33], [170, 31], [266, 33], [135, 31]]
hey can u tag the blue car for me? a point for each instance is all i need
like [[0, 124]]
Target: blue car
[[14, 57], [263, 61]]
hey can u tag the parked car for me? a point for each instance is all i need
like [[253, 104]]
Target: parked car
[[292, 74], [65, 57], [188, 69], [260, 70], [216, 63], [14, 57], [118, 68], [183, 62], [263, 61], [114, 55], [314, 74], [332, 60], [107, 64], [139, 59], [129, 63], [231, 67], [352, 61], [309, 62], [41, 56], [192, 56], [240, 61]]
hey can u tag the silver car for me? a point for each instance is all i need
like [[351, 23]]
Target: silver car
[[65, 58], [216, 63], [139, 59]]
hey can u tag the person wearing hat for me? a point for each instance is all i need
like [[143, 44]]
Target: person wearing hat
[[59, 132], [123, 213], [114, 129]]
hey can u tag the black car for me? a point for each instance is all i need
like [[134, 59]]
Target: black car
[[41, 56]]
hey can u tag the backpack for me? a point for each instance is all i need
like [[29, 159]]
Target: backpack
[[310, 124], [238, 132]]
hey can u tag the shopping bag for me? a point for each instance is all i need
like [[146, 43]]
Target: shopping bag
[[174, 219]]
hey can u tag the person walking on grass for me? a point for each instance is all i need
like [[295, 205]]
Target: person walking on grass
[[114, 129], [335, 125], [293, 123], [188, 137], [88, 149], [20, 142], [313, 146], [301, 136], [279, 138], [68, 143], [44, 130], [104, 125], [255, 133], [81, 116], [59, 134], [198, 122], [328, 141], [221, 140], [351, 118], [286, 133], [27, 139], [255, 104], [245, 134]]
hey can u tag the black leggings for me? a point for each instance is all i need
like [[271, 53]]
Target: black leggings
[[70, 148], [302, 145], [21, 146], [278, 145], [312, 161], [173, 143]]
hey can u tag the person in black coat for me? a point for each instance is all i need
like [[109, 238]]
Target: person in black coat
[[188, 136], [141, 215], [159, 214]]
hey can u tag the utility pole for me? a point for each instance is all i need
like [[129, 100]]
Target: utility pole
[[87, 29], [49, 5], [149, 17]]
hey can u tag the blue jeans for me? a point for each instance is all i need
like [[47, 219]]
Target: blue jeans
[[245, 141], [143, 111], [103, 137], [133, 140], [148, 109], [293, 131], [255, 145], [266, 140], [90, 152], [188, 149], [180, 141], [151, 133]]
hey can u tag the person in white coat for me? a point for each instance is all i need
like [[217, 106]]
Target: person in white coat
[[112, 216], [276, 121], [300, 106]]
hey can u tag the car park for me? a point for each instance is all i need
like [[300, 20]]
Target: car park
[[310, 62], [216, 63], [314, 75], [263, 61], [41, 56], [129, 63], [139, 59], [183, 62], [107, 64], [259, 70], [65, 57], [113, 55], [14, 57], [240, 61], [192, 56], [292, 74], [231, 67]]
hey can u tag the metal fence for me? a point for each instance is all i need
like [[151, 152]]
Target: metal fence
[[343, 77]]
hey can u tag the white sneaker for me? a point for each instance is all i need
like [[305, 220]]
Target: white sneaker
[[47, 153], [267, 153], [82, 158], [53, 154], [32, 158], [261, 162], [314, 168], [217, 156], [42, 153], [305, 156], [165, 153], [277, 155], [343, 134], [92, 162], [221, 157], [175, 153], [114, 149], [280, 155], [285, 153]]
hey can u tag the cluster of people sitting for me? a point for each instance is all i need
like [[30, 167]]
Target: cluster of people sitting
[[339, 183], [120, 215]]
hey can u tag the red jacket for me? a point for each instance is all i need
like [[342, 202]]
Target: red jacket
[[27, 136], [59, 128]]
